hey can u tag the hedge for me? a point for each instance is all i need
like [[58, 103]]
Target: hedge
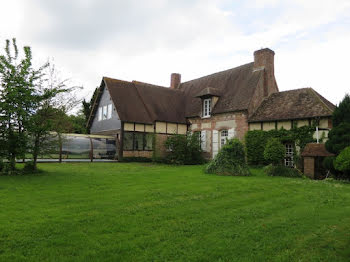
[[256, 140]]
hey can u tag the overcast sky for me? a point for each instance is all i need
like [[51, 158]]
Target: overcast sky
[[148, 40]]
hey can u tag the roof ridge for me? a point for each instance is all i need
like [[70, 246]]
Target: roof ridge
[[117, 80], [317, 95], [217, 73]]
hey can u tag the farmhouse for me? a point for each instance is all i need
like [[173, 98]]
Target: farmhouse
[[220, 106]]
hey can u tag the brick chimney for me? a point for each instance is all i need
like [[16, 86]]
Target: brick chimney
[[264, 59], [175, 80]]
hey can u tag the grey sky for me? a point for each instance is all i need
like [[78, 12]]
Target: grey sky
[[148, 40]]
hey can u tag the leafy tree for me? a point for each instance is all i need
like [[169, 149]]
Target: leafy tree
[[230, 160], [87, 106], [274, 152], [341, 113], [50, 118], [339, 136], [78, 123], [184, 149], [18, 99], [342, 162]]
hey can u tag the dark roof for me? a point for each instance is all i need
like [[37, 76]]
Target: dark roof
[[209, 91], [162, 103], [293, 104], [143, 103], [237, 86], [313, 149]]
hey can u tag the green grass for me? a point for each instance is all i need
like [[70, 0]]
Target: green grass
[[146, 212]]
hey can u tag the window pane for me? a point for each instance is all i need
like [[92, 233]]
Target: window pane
[[138, 141], [109, 113], [75, 147], [128, 141], [99, 113], [149, 141], [104, 113]]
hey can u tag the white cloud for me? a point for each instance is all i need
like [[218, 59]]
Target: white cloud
[[148, 40]]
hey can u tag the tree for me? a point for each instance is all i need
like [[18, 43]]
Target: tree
[[18, 99], [274, 152], [50, 118], [341, 113], [339, 136], [342, 162], [230, 160], [87, 106]]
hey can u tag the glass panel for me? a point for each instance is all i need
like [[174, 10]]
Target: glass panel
[[138, 141], [149, 141], [103, 148], [128, 140], [104, 112], [109, 111], [75, 147], [50, 147], [99, 113]]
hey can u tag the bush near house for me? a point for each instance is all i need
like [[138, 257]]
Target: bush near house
[[230, 160], [274, 152], [339, 139], [256, 140], [342, 162], [184, 150], [280, 170]]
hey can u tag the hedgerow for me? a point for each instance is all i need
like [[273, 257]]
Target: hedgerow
[[256, 140]]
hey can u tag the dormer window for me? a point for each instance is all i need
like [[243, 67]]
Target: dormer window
[[206, 107]]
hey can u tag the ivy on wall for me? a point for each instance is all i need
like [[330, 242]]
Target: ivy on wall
[[256, 140]]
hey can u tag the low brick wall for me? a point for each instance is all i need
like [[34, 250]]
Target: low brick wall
[[147, 154], [309, 167]]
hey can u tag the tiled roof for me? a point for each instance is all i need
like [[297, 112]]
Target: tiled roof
[[237, 86], [313, 149], [293, 104]]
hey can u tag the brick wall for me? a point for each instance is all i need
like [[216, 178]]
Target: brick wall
[[309, 167], [236, 120], [137, 154]]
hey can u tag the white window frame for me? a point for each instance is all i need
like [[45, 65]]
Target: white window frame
[[223, 137], [206, 107], [288, 160], [109, 111]]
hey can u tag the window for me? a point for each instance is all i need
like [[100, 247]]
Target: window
[[223, 137], [204, 140], [104, 112], [109, 111], [288, 160], [207, 107], [137, 141], [99, 113]]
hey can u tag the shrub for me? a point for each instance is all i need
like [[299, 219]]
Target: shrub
[[1, 165], [342, 162], [274, 151], [7, 169], [338, 138], [230, 160], [256, 140], [280, 170], [29, 167], [184, 150], [136, 159]]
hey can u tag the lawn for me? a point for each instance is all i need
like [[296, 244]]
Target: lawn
[[146, 212]]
